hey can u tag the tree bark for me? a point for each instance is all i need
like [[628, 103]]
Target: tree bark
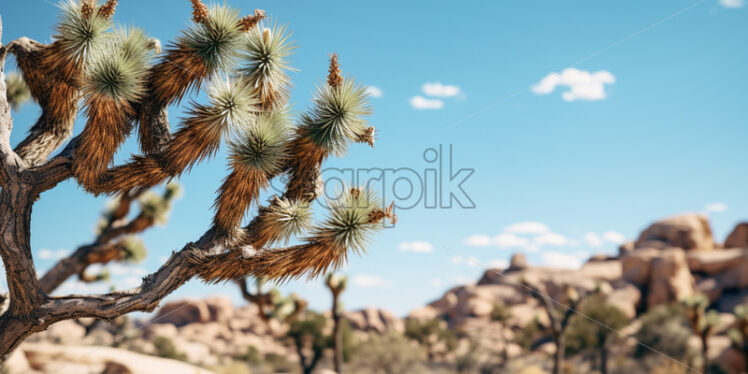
[[705, 354], [558, 358], [337, 334]]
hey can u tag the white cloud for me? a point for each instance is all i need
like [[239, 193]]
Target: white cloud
[[374, 92], [436, 282], [593, 240], [498, 263], [436, 89], [422, 103], [527, 227], [463, 280], [469, 261], [716, 207], [370, 281], [614, 237], [560, 260], [416, 246], [46, 254], [478, 240], [506, 240], [550, 238], [583, 85], [732, 3]]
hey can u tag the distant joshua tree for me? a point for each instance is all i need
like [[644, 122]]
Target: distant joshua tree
[[116, 239], [336, 284], [558, 317], [270, 304], [122, 81], [702, 323], [739, 332], [310, 340]]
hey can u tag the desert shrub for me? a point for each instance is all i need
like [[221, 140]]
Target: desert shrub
[[528, 335], [665, 329], [250, 356], [279, 363], [233, 368], [584, 334], [500, 313], [429, 332], [165, 348], [386, 354]]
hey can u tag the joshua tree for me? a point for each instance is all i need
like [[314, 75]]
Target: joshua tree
[[702, 323], [122, 81], [739, 332], [583, 333], [308, 335], [336, 284], [270, 303], [558, 317]]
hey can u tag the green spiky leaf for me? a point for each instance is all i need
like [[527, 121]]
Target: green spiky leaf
[[232, 104], [266, 54], [217, 39], [263, 146], [17, 91], [349, 221], [80, 35], [290, 218], [119, 70], [338, 116], [135, 250]]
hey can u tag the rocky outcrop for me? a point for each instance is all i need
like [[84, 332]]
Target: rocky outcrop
[[738, 238], [670, 279], [687, 231], [374, 320], [518, 262], [715, 262], [182, 312]]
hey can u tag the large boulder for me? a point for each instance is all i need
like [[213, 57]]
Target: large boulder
[[626, 298], [715, 262], [183, 312], [636, 265], [670, 278], [518, 262], [738, 238], [687, 231], [374, 320]]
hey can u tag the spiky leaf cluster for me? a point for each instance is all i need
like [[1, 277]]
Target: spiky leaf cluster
[[349, 222], [156, 206], [231, 104], [217, 38], [266, 54], [289, 217], [263, 145], [118, 71], [81, 33], [134, 248], [17, 91], [338, 116], [336, 282]]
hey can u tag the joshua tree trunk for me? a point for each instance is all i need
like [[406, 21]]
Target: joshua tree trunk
[[603, 353], [337, 335], [705, 353], [558, 358], [337, 284]]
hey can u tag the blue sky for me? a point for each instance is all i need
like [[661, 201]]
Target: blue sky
[[651, 123]]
